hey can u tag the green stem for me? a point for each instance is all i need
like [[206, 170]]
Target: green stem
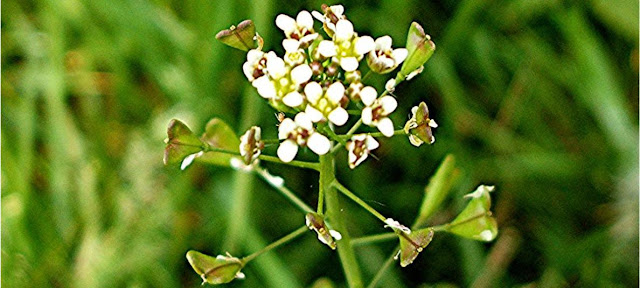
[[359, 201], [271, 141], [360, 241], [366, 76], [448, 226], [295, 163], [374, 134], [383, 269], [345, 251], [350, 133], [275, 244], [267, 177]]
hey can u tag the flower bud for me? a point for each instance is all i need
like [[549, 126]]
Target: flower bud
[[251, 145]]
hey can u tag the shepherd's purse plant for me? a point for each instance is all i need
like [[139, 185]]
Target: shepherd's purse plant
[[325, 106]]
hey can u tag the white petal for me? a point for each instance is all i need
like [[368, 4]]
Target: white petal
[[344, 30], [372, 144], [349, 64], [327, 48], [187, 161], [318, 143], [383, 43], [265, 87], [415, 141], [364, 44], [303, 120], [486, 235], [301, 73], [313, 113], [318, 16], [287, 150], [368, 95], [335, 234], [414, 109], [275, 66], [338, 116], [290, 45], [389, 104], [335, 92], [313, 91], [248, 69], [309, 38], [285, 23], [390, 85], [286, 126], [399, 55], [254, 55], [367, 116], [359, 160], [293, 99], [304, 19], [337, 9], [385, 126], [433, 124]]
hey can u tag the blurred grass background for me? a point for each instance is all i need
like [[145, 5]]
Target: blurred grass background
[[539, 98]]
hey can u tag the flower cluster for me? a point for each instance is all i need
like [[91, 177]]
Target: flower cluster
[[318, 79]]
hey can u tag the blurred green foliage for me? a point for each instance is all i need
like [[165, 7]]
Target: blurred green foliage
[[539, 98]]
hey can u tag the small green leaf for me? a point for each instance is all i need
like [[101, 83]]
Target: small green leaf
[[438, 189], [215, 270], [476, 220], [419, 47], [181, 142], [412, 244], [239, 37], [219, 135]]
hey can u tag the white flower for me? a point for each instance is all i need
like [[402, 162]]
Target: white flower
[[346, 48], [419, 126], [377, 109], [330, 17], [383, 59], [395, 225], [255, 65], [325, 104], [359, 148], [251, 145], [299, 29], [300, 133], [282, 82]]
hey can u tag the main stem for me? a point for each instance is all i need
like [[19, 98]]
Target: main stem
[[345, 251]]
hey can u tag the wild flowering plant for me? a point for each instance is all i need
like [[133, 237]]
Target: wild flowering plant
[[318, 89]]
